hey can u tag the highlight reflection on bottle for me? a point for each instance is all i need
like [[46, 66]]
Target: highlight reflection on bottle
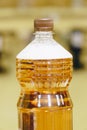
[[44, 71]]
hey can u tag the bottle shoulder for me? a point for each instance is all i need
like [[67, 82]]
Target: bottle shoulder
[[44, 49]]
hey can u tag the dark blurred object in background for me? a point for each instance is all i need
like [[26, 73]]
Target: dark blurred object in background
[[76, 41], [1, 52]]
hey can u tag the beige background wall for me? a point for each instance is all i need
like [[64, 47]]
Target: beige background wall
[[54, 2], [27, 3], [15, 3]]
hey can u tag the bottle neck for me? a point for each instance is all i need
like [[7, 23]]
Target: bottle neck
[[44, 34]]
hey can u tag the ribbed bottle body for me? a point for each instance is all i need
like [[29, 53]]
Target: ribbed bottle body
[[44, 75]]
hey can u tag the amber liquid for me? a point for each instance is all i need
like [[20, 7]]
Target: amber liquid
[[44, 102]]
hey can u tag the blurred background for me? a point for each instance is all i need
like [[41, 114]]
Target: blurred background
[[16, 28]]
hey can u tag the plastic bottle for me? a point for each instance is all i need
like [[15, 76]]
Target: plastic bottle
[[44, 71]]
